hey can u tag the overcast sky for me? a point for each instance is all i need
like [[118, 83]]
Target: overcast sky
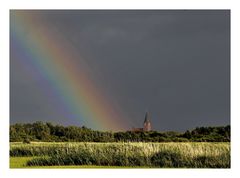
[[174, 64]]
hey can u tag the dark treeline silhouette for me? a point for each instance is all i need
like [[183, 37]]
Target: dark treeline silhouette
[[48, 132]]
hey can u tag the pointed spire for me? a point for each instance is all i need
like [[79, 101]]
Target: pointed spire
[[147, 117]]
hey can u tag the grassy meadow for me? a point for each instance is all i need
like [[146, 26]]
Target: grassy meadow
[[120, 155]]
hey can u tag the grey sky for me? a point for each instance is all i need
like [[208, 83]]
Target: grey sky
[[175, 64]]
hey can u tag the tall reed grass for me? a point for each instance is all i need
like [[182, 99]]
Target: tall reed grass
[[194, 155]]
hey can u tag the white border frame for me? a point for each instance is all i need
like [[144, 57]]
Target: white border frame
[[121, 4]]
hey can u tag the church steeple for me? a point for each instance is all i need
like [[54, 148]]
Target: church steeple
[[147, 123], [147, 117]]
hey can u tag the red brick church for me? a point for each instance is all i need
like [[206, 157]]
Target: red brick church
[[146, 124]]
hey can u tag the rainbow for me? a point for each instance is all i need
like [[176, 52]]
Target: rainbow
[[54, 58]]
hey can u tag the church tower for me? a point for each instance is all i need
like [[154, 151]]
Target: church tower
[[147, 123]]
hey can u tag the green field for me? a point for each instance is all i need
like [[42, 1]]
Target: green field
[[120, 155]]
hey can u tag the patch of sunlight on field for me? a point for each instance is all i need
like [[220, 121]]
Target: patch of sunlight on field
[[20, 162]]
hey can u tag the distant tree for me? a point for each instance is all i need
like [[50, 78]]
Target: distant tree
[[41, 131], [187, 134]]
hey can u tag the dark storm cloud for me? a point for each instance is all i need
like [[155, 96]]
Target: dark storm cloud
[[176, 64]]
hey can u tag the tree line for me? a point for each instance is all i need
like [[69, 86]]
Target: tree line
[[47, 132]]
